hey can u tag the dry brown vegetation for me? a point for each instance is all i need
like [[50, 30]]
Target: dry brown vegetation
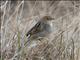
[[18, 17]]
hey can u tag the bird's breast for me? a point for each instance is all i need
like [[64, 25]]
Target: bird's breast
[[48, 27]]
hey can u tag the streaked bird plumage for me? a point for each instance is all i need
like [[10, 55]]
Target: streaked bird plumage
[[42, 28]]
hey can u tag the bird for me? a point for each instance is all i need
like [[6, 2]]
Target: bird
[[41, 28]]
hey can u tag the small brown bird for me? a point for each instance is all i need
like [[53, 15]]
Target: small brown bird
[[42, 28]]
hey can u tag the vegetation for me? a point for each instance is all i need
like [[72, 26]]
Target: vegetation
[[18, 17]]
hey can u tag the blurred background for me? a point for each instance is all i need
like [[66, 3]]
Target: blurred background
[[18, 17]]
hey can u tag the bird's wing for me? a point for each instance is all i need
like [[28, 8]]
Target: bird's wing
[[34, 29]]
